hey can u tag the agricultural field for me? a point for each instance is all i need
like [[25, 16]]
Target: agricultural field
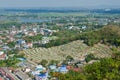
[[76, 49], [51, 14]]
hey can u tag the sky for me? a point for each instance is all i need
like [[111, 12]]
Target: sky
[[59, 3]]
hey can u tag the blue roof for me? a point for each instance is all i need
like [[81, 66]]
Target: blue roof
[[43, 75], [20, 41], [63, 69]]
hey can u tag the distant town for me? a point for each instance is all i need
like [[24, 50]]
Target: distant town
[[43, 44]]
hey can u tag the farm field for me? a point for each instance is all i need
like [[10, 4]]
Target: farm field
[[76, 49]]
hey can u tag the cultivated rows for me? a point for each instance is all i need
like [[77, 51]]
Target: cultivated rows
[[75, 49]]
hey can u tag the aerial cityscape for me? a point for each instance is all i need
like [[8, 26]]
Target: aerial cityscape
[[59, 40]]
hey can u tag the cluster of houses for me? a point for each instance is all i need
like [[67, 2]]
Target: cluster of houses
[[39, 72], [26, 70], [22, 44], [16, 35]]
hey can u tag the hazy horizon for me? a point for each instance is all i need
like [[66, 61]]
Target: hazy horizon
[[59, 3]]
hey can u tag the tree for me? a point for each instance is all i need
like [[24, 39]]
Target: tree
[[44, 62], [53, 62], [69, 58], [11, 44], [89, 57], [107, 68]]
